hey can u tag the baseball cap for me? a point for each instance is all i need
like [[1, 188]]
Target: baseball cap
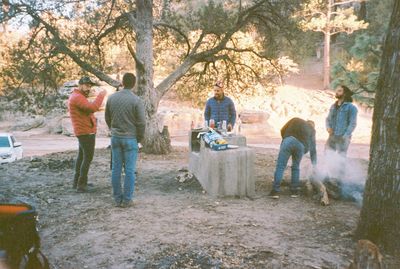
[[87, 80]]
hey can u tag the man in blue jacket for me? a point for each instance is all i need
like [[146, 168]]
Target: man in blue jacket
[[220, 108], [341, 121]]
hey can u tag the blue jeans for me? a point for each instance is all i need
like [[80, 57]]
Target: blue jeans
[[290, 146], [124, 154]]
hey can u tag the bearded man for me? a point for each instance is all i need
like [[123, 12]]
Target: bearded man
[[84, 124], [220, 108], [341, 121]]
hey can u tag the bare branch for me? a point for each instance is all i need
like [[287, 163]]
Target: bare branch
[[63, 48], [198, 43], [120, 21], [139, 64], [176, 29], [178, 73], [132, 21], [108, 18], [209, 55]]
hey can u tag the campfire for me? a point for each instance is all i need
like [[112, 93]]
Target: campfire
[[337, 177]]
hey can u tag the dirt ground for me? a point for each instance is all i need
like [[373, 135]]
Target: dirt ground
[[176, 225]]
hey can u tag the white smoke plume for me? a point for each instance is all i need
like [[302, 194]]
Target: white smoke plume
[[350, 174]]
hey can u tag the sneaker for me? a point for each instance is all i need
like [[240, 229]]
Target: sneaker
[[118, 204], [274, 194], [294, 193], [126, 204]]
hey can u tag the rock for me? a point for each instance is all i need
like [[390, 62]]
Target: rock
[[29, 124], [55, 125], [252, 117], [180, 122], [102, 128], [35, 159], [55, 164], [66, 126], [182, 178]]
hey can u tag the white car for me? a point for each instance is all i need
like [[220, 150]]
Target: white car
[[10, 149]]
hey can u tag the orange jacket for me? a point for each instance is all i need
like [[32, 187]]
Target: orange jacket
[[81, 112]]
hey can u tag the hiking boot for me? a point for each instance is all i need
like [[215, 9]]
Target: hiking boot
[[127, 204], [274, 194], [294, 193]]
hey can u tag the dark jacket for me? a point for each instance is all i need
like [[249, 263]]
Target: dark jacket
[[125, 115], [304, 132]]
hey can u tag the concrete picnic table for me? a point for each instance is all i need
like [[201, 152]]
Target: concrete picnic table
[[223, 173]]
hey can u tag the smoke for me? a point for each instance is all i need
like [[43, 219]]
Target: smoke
[[344, 177]]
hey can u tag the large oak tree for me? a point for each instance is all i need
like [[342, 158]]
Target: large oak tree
[[133, 23]]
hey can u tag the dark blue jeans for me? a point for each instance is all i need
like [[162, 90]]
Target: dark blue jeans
[[84, 159], [124, 155], [290, 147]]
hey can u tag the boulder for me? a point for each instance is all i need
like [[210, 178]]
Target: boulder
[[251, 117], [66, 126]]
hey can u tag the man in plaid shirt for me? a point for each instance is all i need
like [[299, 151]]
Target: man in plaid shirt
[[220, 108]]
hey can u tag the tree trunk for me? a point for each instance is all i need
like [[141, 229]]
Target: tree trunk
[[155, 141], [327, 60], [327, 48], [362, 13], [380, 214]]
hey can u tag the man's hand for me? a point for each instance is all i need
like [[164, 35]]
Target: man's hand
[[330, 131], [229, 127]]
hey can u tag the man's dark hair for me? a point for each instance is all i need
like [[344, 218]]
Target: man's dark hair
[[347, 93], [128, 80]]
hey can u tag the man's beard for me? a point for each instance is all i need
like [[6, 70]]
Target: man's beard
[[219, 97], [338, 96]]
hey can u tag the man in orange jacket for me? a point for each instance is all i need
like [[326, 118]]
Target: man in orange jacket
[[84, 125]]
